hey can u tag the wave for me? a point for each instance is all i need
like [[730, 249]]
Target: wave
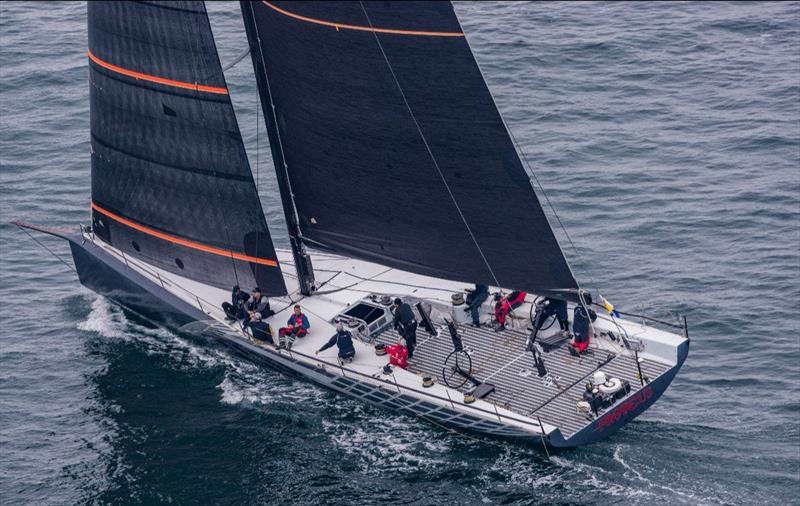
[[104, 320]]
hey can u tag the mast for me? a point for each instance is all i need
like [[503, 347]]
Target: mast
[[302, 260]]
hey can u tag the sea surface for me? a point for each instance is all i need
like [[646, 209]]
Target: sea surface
[[667, 136]]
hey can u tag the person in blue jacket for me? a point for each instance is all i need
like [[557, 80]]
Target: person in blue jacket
[[344, 341], [297, 326]]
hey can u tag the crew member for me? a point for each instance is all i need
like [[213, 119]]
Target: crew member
[[398, 354], [582, 324], [505, 305], [257, 304], [260, 329], [474, 301], [552, 307], [297, 326], [234, 310], [406, 324], [544, 310], [344, 341]]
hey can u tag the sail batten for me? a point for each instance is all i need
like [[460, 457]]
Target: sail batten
[[362, 28], [414, 170], [182, 241], [171, 183], [156, 79]]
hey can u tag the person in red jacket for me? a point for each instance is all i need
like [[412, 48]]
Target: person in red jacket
[[297, 326], [505, 305], [398, 354]]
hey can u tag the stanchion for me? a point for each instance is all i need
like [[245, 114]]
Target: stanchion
[[541, 433]]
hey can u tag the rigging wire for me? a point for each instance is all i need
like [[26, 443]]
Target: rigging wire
[[258, 142], [236, 60], [228, 66], [544, 193], [71, 267], [423, 287], [427, 147], [349, 286], [258, 169]]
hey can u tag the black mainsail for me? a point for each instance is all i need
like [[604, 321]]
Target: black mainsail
[[393, 147], [171, 183]]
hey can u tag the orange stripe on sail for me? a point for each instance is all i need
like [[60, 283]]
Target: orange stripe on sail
[[156, 79], [183, 242], [344, 26]]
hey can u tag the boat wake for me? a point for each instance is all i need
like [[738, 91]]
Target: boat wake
[[244, 382], [104, 319], [379, 443], [248, 385], [617, 477], [677, 495], [110, 321]]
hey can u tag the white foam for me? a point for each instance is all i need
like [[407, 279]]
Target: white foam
[[381, 443], [244, 381], [231, 394], [687, 497], [578, 474], [105, 319]]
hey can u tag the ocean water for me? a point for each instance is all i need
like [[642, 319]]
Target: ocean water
[[667, 137]]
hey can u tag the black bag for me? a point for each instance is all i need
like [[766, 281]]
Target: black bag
[[261, 331]]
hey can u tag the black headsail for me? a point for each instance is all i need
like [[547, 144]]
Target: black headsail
[[171, 183], [394, 149]]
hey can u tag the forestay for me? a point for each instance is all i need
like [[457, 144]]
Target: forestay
[[171, 183], [394, 149]]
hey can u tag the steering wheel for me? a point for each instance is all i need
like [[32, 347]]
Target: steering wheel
[[457, 369]]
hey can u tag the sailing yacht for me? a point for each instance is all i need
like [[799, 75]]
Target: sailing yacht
[[398, 179]]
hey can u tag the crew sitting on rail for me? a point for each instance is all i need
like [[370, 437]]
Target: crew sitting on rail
[[260, 329], [474, 301], [406, 324], [297, 326], [234, 310], [582, 324], [344, 341], [398, 354], [552, 307], [257, 304], [505, 305]]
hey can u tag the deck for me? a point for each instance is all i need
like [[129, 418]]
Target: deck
[[500, 359]]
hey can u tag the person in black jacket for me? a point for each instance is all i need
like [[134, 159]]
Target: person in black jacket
[[257, 307], [552, 307], [234, 309], [261, 330], [343, 340], [582, 327], [406, 324], [474, 301]]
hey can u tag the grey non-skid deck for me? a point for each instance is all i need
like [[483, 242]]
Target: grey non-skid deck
[[499, 358]]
